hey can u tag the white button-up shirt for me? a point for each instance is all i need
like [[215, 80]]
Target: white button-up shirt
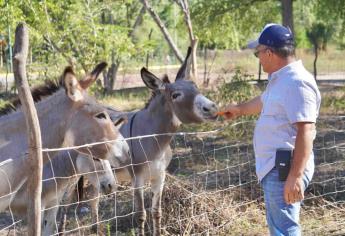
[[291, 96]]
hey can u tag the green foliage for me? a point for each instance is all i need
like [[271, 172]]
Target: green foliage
[[334, 102], [237, 90], [230, 24], [319, 34], [332, 13]]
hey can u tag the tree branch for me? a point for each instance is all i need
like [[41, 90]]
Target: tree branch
[[53, 45], [163, 29], [137, 22]]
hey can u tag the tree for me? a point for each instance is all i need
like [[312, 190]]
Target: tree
[[332, 13], [287, 14], [319, 34], [184, 6], [82, 33], [231, 24]]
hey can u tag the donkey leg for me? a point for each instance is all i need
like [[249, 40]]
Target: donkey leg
[[49, 223], [94, 202], [157, 189], [140, 213]]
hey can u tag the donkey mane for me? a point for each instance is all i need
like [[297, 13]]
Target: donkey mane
[[155, 93], [38, 93]]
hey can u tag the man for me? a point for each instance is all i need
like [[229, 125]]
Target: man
[[288, 111]]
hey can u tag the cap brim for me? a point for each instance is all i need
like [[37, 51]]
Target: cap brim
[[253, 44]]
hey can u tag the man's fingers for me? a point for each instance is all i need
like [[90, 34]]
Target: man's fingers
[[293, 196], [286, 196], [297, 195], [228, 115], [302, 194], [289, 198]]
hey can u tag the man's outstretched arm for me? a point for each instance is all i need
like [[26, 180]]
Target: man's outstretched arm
[[252, 107]]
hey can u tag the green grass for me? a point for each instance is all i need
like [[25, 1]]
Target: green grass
[[126, 101]]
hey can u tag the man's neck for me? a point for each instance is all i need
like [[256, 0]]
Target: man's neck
[[282, 62]]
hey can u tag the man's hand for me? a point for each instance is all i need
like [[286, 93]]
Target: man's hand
[[231, 111], [252, 107], [293, 190]]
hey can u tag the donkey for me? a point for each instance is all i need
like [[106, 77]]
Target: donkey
[[59, 178], [68, 116], [170, 105]]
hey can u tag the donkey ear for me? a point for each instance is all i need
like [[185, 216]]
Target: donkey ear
[[150, 80], [72, 86], [184, 71], [89, 79], [118, 122]]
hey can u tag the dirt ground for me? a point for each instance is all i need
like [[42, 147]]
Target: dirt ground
[[212, 190]]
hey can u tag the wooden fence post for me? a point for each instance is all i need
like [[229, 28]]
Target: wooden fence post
[[34, 186]]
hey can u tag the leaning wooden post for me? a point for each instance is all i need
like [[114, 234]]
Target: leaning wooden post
[[34, 181]]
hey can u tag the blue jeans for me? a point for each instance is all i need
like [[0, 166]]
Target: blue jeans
[[282, 219]]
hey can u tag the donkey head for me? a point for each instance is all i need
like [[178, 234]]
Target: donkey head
[[183, 96], [99, 174], [89, 122]]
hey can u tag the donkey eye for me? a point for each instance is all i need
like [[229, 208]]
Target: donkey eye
[[101, 116], [175, 95]]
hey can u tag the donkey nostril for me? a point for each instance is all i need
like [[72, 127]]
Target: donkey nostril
[[109, 186], [205, 109]]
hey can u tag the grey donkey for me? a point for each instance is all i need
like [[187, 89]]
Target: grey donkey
[[60, 177], [68, 116], [170, 105]]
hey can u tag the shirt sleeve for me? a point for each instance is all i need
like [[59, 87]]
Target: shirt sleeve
[[301, 103]]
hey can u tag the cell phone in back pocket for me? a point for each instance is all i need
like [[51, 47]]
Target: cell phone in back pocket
[[283, 162]]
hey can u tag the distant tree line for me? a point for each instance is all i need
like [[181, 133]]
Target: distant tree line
[[82, 33]]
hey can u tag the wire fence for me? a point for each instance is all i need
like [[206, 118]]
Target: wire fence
[[211, 189]]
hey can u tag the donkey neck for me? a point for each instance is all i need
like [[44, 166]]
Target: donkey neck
[[52, 114], [160, 116], [64, 164]]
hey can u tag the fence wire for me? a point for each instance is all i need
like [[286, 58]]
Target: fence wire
[[211, 189]]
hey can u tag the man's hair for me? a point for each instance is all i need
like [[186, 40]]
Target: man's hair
[[285, 51]]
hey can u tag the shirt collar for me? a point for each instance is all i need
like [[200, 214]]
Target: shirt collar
[[283, 70]]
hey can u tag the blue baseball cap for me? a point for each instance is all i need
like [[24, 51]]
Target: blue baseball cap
[[273, 35]]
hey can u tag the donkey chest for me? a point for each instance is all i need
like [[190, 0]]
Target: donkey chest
[[149, 170]]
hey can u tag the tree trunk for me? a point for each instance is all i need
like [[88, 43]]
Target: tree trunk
[[205, 65], [148, 54], [1, 56], [163, 29], [316, 51], [110, 77], [35, 162], [193, 40], [137, 22], [194, 45], [287, 14]]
